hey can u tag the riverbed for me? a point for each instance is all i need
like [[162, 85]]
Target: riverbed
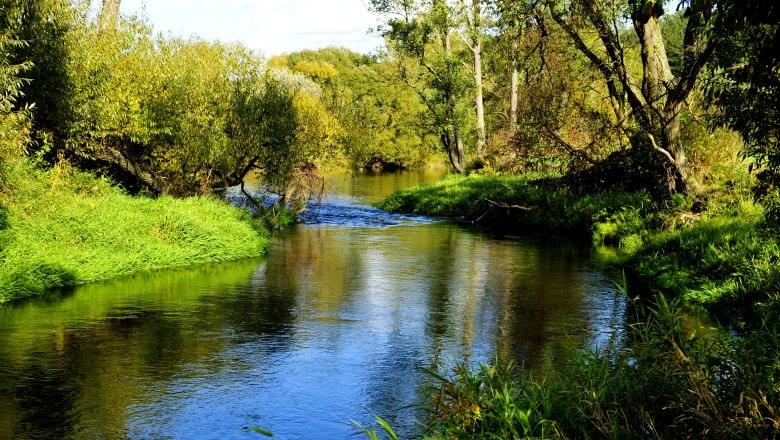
[[331, 326]]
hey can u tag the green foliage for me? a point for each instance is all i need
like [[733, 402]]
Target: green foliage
[[480, 403], [430, 59], [675, 378], [67, 227], [14, 124], [174, 116], [372, 434], [382, 119], [745, 89], [44, 26]]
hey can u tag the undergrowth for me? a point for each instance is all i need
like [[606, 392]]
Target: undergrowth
[[65, 227]]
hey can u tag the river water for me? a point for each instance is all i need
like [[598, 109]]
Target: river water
[[331, 326]]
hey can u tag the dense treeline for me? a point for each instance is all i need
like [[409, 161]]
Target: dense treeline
[[185, 116], [637, 90]]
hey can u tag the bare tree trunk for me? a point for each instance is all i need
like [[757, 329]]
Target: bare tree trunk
[[513, 101], [479, 101], [477, 49], [109, 15]]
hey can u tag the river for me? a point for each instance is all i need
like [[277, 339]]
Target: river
[[331, 326]]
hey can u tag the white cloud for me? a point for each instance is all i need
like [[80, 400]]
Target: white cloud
[[271, 26]]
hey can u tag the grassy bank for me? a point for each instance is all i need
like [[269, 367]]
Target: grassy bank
[[711, 249], [670, 377], [668, 381], [64, 227], [511, 202]]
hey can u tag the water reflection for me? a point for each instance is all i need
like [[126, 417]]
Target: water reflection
[[332, 326]]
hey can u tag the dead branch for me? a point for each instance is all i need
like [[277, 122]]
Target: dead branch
[[506, 206]]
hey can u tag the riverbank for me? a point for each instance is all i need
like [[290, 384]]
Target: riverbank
[[711, 249], [671, 376], [64, 227]]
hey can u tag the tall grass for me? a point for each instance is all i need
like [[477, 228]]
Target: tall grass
[[670, 380], [66, 227]]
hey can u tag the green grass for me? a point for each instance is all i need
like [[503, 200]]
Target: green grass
[[712, 248], [504, 201], [65, 227], [670, 380]]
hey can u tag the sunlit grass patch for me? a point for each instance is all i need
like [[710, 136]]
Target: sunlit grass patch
[[67, 227]]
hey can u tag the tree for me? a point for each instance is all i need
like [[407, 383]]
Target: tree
[[513, 19], [381, 117], [424, 33], [744, 86], [475, 30], [653, 103]]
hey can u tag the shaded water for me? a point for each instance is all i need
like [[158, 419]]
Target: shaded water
[[330, 327]]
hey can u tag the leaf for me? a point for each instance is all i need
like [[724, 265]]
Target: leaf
[[261, 431], [386, 427]]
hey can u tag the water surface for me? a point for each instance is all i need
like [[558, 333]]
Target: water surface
[[331, 326]]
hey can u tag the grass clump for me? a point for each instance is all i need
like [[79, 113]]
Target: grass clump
[[65, 227], [720, 253], [672, 380]]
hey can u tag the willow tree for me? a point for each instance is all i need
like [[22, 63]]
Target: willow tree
[[648, 107]]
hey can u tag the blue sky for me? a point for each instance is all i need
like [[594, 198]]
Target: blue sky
[[270, 26]]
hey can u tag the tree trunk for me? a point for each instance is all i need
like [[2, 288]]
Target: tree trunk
[[657, 82], [479, 101], [673, 144], [477, 49], [454, 143], [112, 156], [513, 101], [657, 75], [109, 15]]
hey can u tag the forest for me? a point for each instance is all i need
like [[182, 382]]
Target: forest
[[650, 126]]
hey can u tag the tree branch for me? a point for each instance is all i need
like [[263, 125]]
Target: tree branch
[[659, 149]]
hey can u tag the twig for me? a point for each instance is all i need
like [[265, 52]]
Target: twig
[[504, 205]]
